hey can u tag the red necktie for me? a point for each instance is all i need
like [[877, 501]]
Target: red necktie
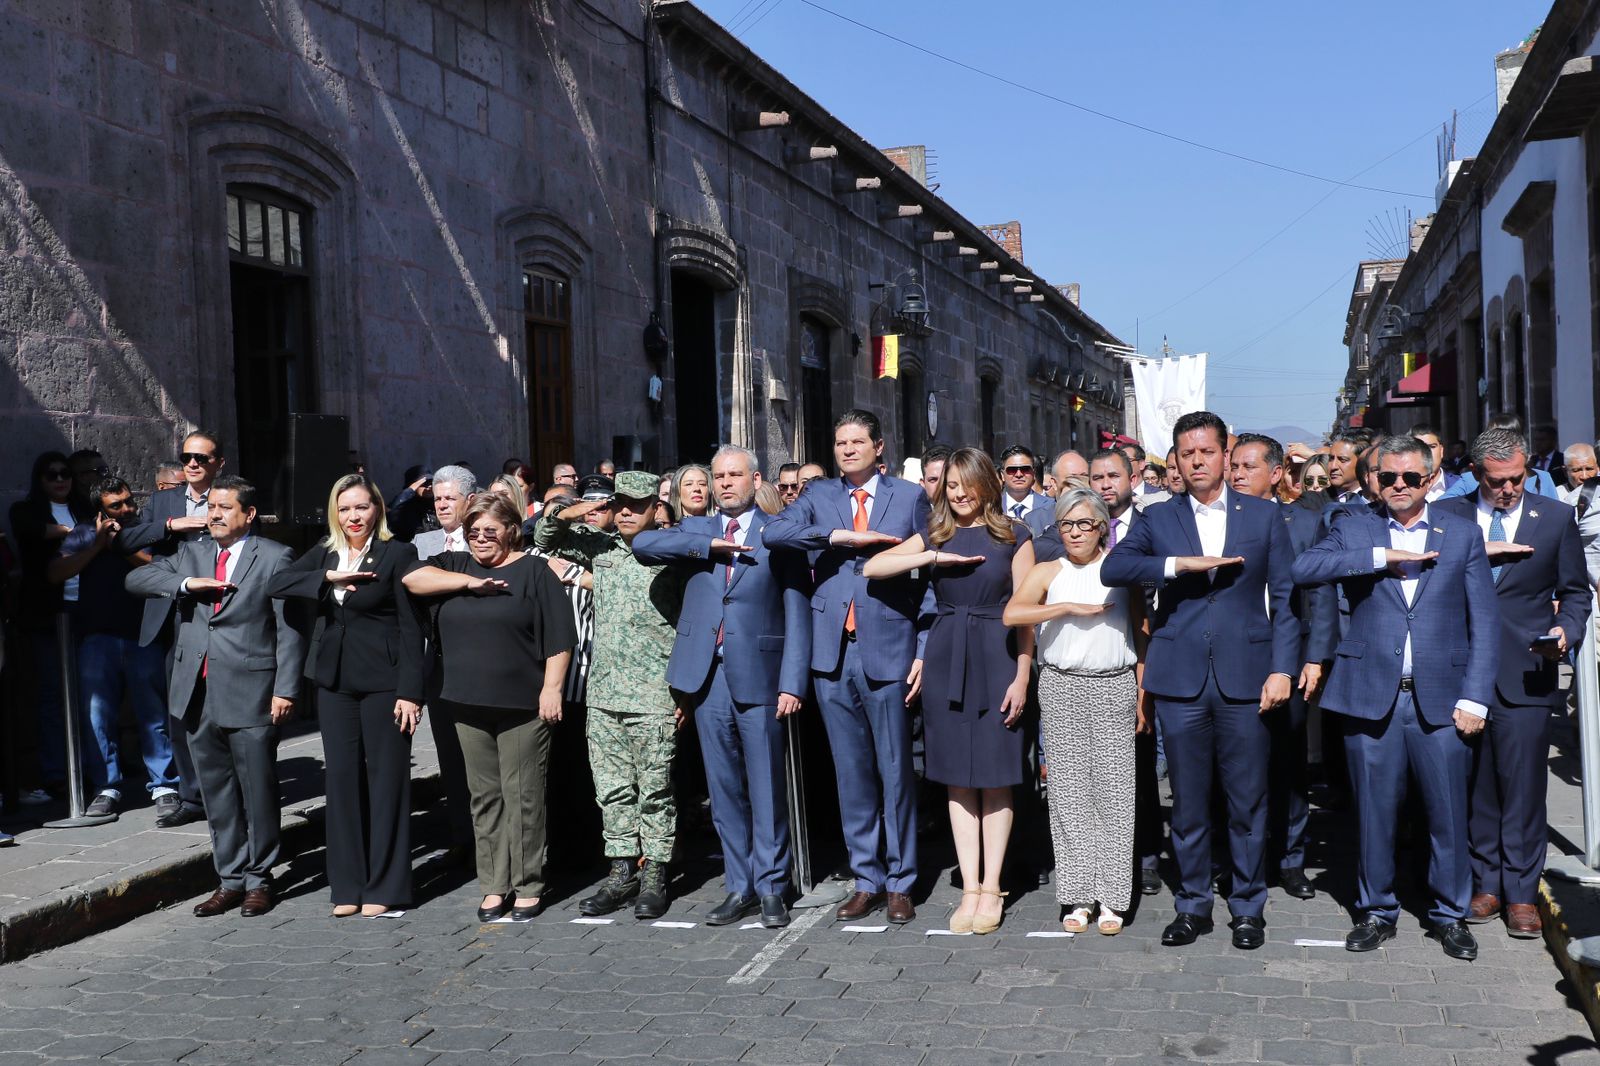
[[727, 577], [222, 575], [860, 525]]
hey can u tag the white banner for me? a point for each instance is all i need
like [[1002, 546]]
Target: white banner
[[1164, 390]]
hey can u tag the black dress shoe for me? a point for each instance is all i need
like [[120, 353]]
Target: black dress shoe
[[1368, 935], [500, 910], [1249, 932], [774, 915], [1456, 939], [1149, 880], [182, 816], [528, 913], [732, 909], [1185, 929], [1293, 880]]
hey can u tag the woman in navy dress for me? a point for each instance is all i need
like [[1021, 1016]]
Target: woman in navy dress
[[975, 670]]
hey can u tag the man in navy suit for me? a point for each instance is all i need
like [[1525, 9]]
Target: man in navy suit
[[742, 659], [866, 659], [1412, 678], [1019, 473], [1536, 557], [1255, 468], [172, 518], [1220, 562]]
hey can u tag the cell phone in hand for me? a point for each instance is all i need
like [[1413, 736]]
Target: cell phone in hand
[[1549, 640]]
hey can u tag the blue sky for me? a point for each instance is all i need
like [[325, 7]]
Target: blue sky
[[1140, 221]]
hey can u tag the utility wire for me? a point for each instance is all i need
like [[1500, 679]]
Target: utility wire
[[756, 21], [1344, 275], [1003, 80], [728, 23]]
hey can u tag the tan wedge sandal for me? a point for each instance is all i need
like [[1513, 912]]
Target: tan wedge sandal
[[962, 923], [982, 923]]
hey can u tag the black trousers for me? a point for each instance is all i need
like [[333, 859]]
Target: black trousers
[[367, 760]]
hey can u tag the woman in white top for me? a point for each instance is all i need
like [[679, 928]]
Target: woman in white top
[[1091, 652]]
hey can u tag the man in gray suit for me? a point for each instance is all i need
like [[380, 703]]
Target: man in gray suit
[[453, 490], [236, 668]]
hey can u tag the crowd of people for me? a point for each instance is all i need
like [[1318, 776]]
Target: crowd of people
[[1095, 624]]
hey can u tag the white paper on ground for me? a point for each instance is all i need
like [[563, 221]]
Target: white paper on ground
[[751, 925], [592, 921], [942, 932], [863, 928], [1303, 943], [674, 925], [386, 914], [1053, 933]]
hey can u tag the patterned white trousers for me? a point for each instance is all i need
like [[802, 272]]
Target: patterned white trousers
[[1086, 726]]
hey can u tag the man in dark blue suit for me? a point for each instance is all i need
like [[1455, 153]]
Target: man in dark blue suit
[[1220, 562], [1412, 678], [1537, 558], [171, 518], [866, 659], [1255, 468], [1019, 473], [742, 660]]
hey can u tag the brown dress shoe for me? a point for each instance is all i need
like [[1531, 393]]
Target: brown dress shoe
[[900, 909], [257, 902], [859, 905], [1522, 921], [1485, 908], [222, 901]]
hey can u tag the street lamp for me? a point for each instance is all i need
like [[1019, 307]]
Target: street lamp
[[909, 300]]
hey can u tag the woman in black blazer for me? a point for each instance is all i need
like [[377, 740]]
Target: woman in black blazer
[[368, 665]]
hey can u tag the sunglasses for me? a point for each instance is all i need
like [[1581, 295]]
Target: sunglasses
[[57, 474], [1317, 482], [1387, 478], [483, 534], [1019, 469], [1082, 525], [197, 458]]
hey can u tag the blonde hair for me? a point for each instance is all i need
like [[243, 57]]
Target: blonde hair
[[767, 498], [676, 500], [977, 474], [507, 486], [380, 529]]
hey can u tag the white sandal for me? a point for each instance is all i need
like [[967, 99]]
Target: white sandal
[[1110, 923], [1077, 920]]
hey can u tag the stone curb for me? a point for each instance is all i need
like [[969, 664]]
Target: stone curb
[[107, 902], [1570, 912]]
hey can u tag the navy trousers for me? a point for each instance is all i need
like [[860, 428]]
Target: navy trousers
[[1379, 754], [1506, 823], [869, 730], [1288, 806], [742, 747], [1206, 733]]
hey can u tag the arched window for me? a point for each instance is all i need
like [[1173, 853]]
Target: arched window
[[547, 320], [816, 389]]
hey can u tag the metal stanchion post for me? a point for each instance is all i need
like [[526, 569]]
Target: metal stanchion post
[[69, 702], [811, 893]]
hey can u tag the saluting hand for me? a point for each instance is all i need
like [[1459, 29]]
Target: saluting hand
[[1500, 551], [952, 559], [1397, 559], [350, 577], [863, 538], [487, 586], [1199, 564], [727, 549]]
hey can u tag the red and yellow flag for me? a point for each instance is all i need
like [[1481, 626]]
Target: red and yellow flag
[[886, 356]]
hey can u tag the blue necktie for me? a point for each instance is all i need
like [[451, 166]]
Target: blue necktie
[[1497, 532]]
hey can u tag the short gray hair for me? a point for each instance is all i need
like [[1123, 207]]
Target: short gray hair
[[734, 449], [1401, 444], [1072, 499], [465, 481], [1499, 445], [1576, 450]]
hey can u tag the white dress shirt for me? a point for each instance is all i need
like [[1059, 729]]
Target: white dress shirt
[[349, 562], [229, 565], [456, 540], [1413, 538], [196, 505], [872, 495], [1026, 505], [1211, 521], [1509, 521]]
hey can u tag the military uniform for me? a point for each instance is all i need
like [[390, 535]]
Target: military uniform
[[632, 733]]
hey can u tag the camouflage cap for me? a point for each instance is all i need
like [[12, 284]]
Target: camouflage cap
[[637, 484]]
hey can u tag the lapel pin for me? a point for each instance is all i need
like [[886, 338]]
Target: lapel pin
[[1436, 529], [1533, 514]]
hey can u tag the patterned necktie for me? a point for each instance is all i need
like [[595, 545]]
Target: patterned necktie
[[1017, 510], [859, 524], [1111, 535], [1497, 532], [727, 576], [222, 575]]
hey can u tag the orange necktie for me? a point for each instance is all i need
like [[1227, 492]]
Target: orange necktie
[[860, 525]]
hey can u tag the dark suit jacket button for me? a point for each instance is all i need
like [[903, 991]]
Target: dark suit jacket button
[[1399, 651]]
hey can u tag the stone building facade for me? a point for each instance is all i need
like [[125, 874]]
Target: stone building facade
[[560, 229]]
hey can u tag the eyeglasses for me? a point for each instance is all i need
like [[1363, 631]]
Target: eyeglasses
[[1019, 469], [57, 474], [1315, 482], [1387, 478], [197, 458], [1082, 525], [483, 534]]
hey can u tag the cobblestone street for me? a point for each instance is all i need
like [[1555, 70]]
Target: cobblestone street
[[299, 987]]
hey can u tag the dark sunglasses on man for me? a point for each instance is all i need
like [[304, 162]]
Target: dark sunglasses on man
[[1413, 480], [197, 458]]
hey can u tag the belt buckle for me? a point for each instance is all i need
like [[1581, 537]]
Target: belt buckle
[[1408, 684]]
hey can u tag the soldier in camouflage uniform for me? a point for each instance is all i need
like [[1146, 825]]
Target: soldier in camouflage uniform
[[633, 719]]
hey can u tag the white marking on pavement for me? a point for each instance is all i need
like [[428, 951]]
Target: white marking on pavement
[[674, 925], [942, 932], [592, 921], [863, 928], [1061, 933], [1303, 943], [386, 914], [751, 925], [751, 971]]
